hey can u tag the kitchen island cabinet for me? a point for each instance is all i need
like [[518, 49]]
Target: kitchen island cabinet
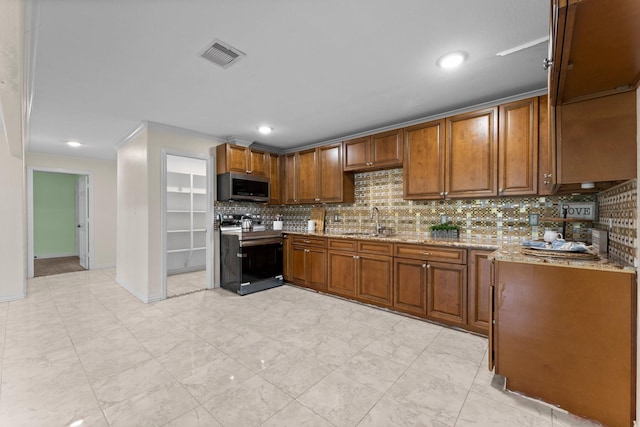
[[567, 335]]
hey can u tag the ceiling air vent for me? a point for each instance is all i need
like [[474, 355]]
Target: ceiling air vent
[[222, 54]]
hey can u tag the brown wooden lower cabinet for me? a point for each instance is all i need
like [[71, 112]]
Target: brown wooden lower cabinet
[[341, 272], [410, 286], [308, 266], [374, 278], [568, 336], [447, 292], [478, 283]]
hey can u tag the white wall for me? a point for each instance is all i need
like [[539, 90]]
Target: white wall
[[140, 233], [162, 136], [132, 255], [104, 200], [12, 184]]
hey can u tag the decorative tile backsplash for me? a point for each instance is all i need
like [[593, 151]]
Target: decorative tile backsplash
[[495, 217], [618, 215], [502, 217]]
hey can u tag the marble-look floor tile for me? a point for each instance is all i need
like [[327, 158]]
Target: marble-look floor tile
[[388, 412], [340, 400], [250, 404], [564, 419], [334, 351], [447, 367], [481, 411], [461, 344], [197, 417], [371, 370], [296, 414], [154, 407], [436, 398], [219, 376], [296, 373], [141, 377], [185, 359], [492, 386]]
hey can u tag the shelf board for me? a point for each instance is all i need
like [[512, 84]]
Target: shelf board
[[179, 231], [566, 220], [200, 249], [175, 251], [178, 191], [200, 229], [177, 211], [204, 212]]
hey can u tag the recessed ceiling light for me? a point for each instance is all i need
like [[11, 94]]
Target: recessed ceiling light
[[73, 144], [265, 130], [451, 60]]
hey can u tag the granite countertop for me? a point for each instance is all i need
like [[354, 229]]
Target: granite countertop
[[507, 249]]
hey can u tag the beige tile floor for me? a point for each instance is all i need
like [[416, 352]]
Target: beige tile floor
[[179, 284], [79, 347]]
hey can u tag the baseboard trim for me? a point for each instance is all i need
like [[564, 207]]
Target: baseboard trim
[[64, 255], [130, 290], [103, 267], [13, 297]]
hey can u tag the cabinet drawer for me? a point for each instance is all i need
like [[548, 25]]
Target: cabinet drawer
[[432, 253], [318, 242], [341, 245], [368, 247]]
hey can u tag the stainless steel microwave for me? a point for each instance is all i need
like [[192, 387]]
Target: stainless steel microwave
[[242, 187]]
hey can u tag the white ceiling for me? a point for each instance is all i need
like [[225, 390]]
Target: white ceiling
[[314, 70]]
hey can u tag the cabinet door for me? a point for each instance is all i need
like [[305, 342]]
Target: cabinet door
[[518, 148], [410, 286], [424, 161], [597, 139], [330, 174], [387, 148], [479, 282], [374, 279], [356, 154], [258, 163], [298, 265], [287, 258], [306, 176], [341, 268], [447, 292], [471, 154], [546, 148], [275, 197], [290, 179], [317, 268]]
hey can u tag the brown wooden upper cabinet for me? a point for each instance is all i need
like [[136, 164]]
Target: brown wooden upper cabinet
[[518, 148], [455, 157], [594, 48], [379, 151], [547, 175], [424, 161], [275, 179], [236, 158], [316, 176], [596, 139]]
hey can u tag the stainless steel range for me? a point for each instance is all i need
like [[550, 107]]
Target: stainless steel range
[[250, 255]]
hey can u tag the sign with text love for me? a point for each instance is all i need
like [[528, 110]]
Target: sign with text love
[[579, 210]]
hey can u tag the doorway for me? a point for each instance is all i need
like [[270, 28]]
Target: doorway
[[187, 225], [59, 209]]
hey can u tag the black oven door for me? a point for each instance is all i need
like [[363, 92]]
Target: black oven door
[[260, 259]]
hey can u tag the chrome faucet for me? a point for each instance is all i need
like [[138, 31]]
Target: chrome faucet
[[379, 228]]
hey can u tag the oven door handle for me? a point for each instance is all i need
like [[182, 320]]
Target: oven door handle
[[260, 242]]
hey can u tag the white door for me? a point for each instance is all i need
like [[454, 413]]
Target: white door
[[82, 209]]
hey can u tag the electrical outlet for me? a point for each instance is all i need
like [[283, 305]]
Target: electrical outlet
[[443, 219], [534, 219]]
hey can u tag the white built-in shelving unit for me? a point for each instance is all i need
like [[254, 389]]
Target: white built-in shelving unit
[[186, 222]]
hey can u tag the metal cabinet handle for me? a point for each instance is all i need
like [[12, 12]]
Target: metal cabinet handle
[[446, 193], [317, 200], [307, 241], [428, 266], [546, 63], [426, 253], [306, 250], [248, 171], [500, 190], [424, 265]]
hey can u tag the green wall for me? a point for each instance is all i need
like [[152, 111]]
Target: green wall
[[54, 214]]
